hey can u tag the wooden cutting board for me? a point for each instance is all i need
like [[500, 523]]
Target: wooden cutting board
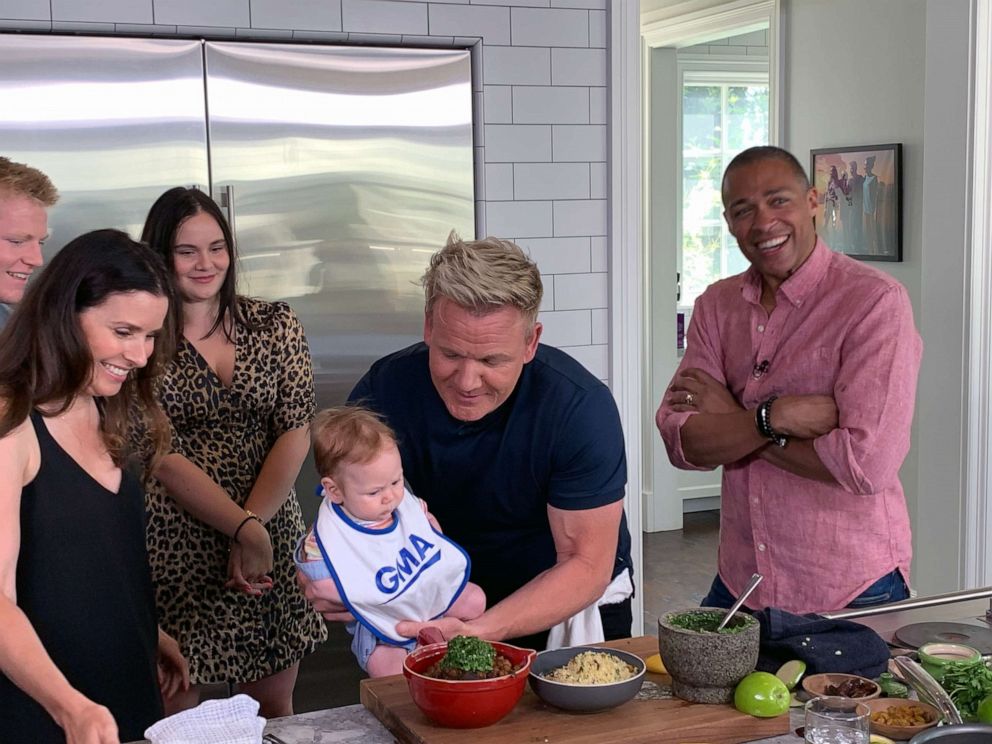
[[644, 720]]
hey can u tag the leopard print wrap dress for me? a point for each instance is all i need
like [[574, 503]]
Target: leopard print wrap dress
[[226, 635]]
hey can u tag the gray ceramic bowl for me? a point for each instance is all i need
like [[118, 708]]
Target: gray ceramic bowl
[[706, 667], [583, 697]]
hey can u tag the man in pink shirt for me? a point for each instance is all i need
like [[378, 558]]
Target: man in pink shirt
[[799, 378]]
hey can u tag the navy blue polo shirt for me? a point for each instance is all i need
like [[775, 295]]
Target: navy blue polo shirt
[[555, 440]]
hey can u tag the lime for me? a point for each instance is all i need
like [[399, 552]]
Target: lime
[[879, 739], [655, 664], [985, 710], [791, 672], [761, 694]]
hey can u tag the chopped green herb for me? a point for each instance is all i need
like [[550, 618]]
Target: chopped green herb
[[469, 654], [968, 683], [706, 622]]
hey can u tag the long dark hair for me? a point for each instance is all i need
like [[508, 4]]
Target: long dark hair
[[45, 357], [170, 211]]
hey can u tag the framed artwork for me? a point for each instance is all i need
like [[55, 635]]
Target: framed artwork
[[859, 199]]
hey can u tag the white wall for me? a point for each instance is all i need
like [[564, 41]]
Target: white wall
[[540, 69], [896, 71], [753, 43]]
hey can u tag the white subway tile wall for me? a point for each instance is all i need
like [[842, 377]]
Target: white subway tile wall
[[517, 143], [109, 11], [575, 291], [27, 10], [579, 143], [316, 15], [597, 180], [383, 17], [541, 73], [551, 27], [497, 104], [519, 218], [600, 325], [580, 217], [499, 181], [517, 65], [491, 23], [190, 12], [551, 181], [559, 255], [541, 104], [567, 327], [578, 67]]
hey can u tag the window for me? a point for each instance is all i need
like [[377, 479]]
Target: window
[[722, 114]]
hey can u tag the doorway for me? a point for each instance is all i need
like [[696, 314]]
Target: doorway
[[709, 78]]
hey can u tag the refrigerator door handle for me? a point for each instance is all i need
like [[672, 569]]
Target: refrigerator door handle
[[227, 201]]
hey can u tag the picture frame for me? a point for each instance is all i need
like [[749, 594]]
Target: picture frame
[[859, 199]]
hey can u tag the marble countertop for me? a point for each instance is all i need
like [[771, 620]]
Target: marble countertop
[[353, 724]]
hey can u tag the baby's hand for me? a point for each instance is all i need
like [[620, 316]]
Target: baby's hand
[[310, 550]]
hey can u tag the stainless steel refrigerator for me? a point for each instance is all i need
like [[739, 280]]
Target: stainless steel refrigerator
[[341, 168]]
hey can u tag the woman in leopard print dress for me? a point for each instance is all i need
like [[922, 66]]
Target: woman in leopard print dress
[[240, 396]]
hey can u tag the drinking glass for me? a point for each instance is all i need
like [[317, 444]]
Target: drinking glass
[[836, 720]]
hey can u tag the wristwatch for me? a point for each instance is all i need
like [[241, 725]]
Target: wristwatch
[[763, 421]]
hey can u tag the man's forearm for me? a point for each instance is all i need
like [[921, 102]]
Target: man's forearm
[[799, 458], [713, 439], [543, 602]]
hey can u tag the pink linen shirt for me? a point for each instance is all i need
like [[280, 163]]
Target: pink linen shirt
[[839, 328]]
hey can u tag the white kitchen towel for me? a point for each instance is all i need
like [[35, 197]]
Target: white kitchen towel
[[587, 626], [234, 720]]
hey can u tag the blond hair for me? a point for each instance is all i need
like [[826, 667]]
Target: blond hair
[[347, 435], [484, 275], [17, 179]]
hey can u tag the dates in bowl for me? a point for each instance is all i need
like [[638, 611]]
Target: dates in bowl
[[842, 685]]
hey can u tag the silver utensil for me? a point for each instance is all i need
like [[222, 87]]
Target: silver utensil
[[928, 689], [755, 580]]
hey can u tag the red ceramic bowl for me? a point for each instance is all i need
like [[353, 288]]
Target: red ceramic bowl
[[469, 704]]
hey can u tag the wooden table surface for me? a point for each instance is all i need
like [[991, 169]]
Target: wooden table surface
[[654, 716]]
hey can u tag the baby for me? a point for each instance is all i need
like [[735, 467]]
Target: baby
[[374, 547]]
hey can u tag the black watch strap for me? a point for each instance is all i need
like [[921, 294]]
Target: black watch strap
[[763, 421]]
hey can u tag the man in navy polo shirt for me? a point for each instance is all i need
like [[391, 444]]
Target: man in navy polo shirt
[[516, 448]]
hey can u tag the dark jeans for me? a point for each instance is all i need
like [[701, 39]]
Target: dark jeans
[[617, 620], [889, 588]]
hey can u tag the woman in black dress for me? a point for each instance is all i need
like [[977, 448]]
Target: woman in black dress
[[81, 657]]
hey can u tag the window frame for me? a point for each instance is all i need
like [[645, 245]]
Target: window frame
[[702, 70]]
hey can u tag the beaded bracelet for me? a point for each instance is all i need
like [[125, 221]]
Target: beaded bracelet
[[763, 421]]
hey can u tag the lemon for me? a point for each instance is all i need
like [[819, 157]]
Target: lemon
[[791, 672], [879, 739], [655, 664]]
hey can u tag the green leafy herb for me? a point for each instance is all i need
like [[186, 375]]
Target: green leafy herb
[[968, 683], [469, 654], [706, 622]]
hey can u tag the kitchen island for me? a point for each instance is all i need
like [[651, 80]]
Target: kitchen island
[[353, 724]]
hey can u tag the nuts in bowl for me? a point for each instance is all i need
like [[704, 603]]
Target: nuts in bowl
[[899, 718]]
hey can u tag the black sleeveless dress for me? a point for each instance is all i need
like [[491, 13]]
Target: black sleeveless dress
[[83, 582]]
